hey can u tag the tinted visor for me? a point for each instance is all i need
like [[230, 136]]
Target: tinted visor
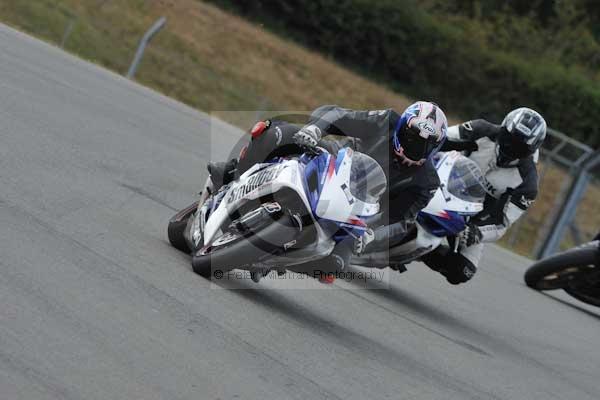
[[513, 146], [415, 146]]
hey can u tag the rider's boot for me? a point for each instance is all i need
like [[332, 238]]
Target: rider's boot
[[207, 190], [219, 174], [222, 173], [455, 267], [337, 261]]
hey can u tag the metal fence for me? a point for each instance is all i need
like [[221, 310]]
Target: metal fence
[[72, 19], [564, 213]]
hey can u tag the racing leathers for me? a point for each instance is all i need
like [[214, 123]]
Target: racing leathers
[[511, 191]]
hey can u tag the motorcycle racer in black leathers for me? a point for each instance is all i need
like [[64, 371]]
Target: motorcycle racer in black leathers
[[507, 155], [402, 143]]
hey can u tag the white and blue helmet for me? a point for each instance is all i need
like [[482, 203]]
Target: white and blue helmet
[[419, 133]]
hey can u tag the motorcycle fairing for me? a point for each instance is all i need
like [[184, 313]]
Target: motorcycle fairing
[[335, 201], [259, 180], [445, 213], [444, 200], [446, 223]]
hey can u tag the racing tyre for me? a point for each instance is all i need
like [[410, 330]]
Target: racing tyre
[[177, 226], [590, 295], [566, 270], [233, 249]]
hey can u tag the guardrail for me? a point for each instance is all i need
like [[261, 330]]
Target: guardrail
[[568, 207], [564, 150], [154, 29], [569, 156]]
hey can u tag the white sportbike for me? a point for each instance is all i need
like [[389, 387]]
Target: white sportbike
[[461, 195], [284, 214]]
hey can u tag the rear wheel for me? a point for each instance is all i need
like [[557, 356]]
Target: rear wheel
[[566, 270]]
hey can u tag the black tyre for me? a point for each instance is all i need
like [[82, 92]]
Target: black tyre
[[233, 250], [563, 269], [590, 295], [177, 226]]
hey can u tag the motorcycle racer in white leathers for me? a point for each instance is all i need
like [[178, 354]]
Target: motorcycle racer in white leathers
[[507, 155]]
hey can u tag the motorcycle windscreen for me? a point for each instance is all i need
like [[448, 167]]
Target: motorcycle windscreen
[[367, 179], [466, 182]]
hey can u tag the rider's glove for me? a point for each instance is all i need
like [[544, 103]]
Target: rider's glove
[[308, 136], [362, 241], [470, 236]]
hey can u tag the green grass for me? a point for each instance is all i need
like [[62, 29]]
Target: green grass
[[218, 62]]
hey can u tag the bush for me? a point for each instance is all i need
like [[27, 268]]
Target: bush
[[396, 41]]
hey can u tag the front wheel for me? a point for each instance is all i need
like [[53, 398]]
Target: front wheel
[[177, 226], [234, 249], [568, 270]]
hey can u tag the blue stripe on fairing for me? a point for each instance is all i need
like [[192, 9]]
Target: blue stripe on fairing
[[311, 195], [319, 166], [323, 168], [441, 227], [338, 161]]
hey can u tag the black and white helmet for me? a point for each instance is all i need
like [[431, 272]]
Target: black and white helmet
[[523, 134]]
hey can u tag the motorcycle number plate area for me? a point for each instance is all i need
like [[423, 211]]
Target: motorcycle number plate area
[[255, 181]]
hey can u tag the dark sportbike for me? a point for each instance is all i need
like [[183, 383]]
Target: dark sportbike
[[576, 271]]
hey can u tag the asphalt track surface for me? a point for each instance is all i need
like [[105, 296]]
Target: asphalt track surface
[[95, 304]]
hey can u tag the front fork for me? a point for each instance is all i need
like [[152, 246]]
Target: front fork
[[198, 219], [206, 192]]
